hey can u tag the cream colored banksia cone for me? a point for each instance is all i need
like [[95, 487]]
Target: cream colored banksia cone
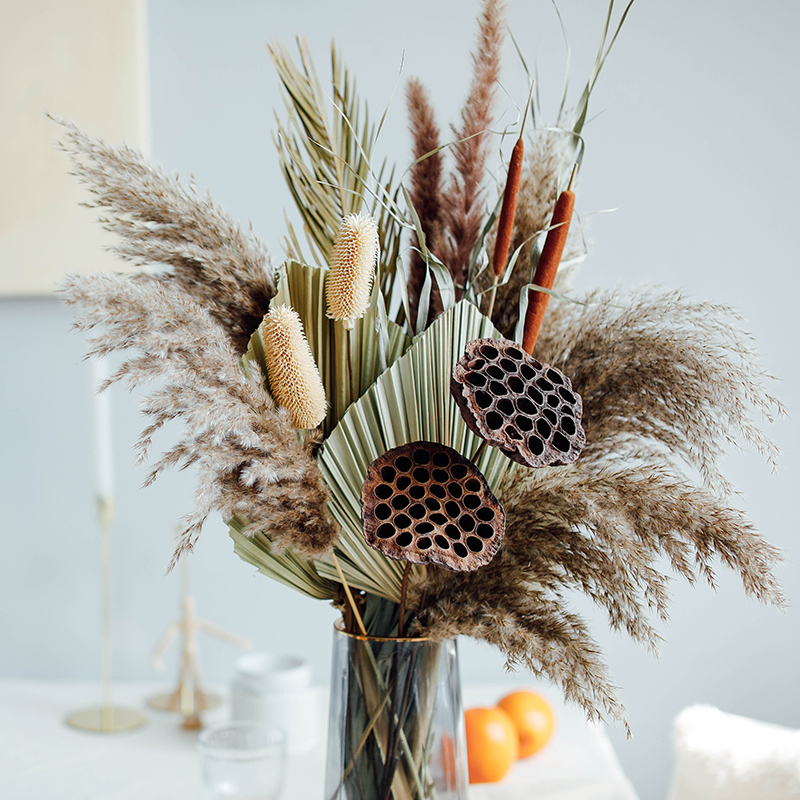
[[352, 268], [293, 375]]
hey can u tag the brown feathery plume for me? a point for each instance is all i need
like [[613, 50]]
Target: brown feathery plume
[[663, 380], [464, 213], [293, 376], [162, 221], [352, 269], [249, 461], [425, 193]]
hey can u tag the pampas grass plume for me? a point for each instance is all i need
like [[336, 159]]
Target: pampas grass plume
[[355, 253], [293, 376]]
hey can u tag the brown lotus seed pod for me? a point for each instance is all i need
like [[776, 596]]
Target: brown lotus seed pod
[[424, 503], [527, 409]]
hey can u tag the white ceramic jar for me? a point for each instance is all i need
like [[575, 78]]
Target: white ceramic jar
[[276, 690]]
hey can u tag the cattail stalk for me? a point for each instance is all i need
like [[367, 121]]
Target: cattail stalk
[[294, 379], [352, 269], [505, 223], [547, 267]]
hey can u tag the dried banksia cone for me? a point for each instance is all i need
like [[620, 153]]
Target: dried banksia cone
[[425, 503], [293, 375], [527, 409], [352, 268]]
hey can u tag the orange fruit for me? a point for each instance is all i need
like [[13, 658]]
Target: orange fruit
[[533, 718], [492, 744]]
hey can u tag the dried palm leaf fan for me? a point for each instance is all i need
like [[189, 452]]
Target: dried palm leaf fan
[[425, 503]]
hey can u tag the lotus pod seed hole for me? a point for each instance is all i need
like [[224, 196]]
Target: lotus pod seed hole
[[399, 502], [403, 464], [383, 491], [543, 428], [472, 485], [425, 543], [560, 442], [489, 352], [536, 396], [494, 421], [472, 501], [417, 492], [455, 489], [483, 399], [417, 511], [432, 504], [460, 550], [505, 406], [474, 544], [402, 521], [476, 379], [441, 541], [452, 531], [404, 539], [508, 365], [515, 384], [388, 474], [459, 472], [467, 523], [383, 511], [385, 531], [440, 460], [452, 508], [422, 456]]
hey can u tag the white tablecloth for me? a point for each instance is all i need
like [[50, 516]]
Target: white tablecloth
[[41, 758]]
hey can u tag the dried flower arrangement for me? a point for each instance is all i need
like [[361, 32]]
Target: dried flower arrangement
[[426, 473]]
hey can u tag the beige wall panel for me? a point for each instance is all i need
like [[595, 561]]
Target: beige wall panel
[[84, 61]]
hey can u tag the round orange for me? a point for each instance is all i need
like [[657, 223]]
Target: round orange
[[492, 744], [533, 718]]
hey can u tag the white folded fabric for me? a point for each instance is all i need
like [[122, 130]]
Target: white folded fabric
[[722, 756]]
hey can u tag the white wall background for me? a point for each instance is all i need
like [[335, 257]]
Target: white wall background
[[697, 149]]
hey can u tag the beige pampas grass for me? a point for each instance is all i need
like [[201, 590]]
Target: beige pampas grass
[[355, 253], [293, 376]]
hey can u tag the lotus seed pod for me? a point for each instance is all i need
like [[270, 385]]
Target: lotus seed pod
[[352, 268], [425, 503], [527, 409], [293, 375]]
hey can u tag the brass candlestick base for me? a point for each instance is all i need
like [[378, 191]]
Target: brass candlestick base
[[106, 719], [171, 701]]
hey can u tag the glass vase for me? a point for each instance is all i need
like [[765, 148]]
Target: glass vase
[[396, 721]]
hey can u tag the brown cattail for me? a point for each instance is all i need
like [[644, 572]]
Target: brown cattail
[[355, 254], [293, 376], [505, 223], [545, 275]]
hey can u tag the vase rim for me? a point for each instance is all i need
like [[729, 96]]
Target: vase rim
[[360, 636]]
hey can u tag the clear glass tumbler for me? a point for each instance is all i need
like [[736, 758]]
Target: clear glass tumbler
[[242, 761]]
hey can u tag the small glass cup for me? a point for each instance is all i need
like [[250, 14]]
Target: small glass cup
[[242, 761]]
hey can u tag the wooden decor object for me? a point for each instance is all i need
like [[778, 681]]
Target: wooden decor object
[[514, 402], [425, 503]]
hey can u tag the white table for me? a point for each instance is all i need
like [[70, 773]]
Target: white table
[[43, 758]]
